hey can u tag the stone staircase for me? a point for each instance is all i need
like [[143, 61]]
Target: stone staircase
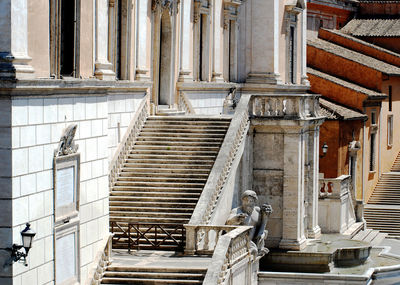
[[373, 237], [382, 212], [155, 267], [162, 179]]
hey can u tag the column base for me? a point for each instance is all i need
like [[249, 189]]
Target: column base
[[217, 77], [15, 67], [142, 75], [314, 233], [264, 78], [293, 244], [304, 80], [103, 71], [185, 76]]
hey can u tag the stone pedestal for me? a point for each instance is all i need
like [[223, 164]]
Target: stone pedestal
[[285, 165], [14, 59]]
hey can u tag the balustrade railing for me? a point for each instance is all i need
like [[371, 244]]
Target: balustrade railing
[[284, 106], [184, 104], [221, 170], [232, 248], [334, 187], [128, 140]]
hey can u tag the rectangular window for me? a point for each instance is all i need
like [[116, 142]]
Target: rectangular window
[[390, 130], [64, 27], [372, 153], [373, 118], [390, 98]]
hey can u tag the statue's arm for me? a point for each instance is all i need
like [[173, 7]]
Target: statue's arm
[[265, 210], [235, 217]]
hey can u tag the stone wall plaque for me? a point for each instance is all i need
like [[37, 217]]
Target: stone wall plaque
[[66, 187]]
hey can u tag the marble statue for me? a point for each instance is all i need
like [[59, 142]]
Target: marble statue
[[248, 214]]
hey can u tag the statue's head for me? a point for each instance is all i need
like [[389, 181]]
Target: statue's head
[[249, 199]]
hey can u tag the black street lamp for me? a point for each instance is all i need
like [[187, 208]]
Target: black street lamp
[[27, 237]]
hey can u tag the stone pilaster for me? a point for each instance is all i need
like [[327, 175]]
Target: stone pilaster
[[185, 66], [103, 68], [264, 22], [14, 59], [293, 211]]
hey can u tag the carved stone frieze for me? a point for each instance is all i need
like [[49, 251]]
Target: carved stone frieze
[[161, 5]]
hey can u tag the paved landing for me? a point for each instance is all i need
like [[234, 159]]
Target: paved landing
[[166, 259]]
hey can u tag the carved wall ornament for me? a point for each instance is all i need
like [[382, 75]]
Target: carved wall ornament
[[161, 5], [67, 145]]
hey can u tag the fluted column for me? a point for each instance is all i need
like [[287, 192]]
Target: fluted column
[[14, 59]]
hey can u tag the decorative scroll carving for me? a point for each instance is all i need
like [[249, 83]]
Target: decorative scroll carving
[[67, 145]]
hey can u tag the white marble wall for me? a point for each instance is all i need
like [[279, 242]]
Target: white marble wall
[[210, 103], [37, 125], [121, 109]]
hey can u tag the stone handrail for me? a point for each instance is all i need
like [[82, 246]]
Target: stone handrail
[[102, 260], [184, 104], [296, 106], [204, 238], [231, 249], [221, 170], [334, 187], [128, 140]]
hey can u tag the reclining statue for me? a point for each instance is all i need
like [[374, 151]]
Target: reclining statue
[[248, 214]]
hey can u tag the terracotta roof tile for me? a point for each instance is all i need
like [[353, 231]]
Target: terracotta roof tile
[[373, 27], [355, 56], [357, 88], [335, 111]]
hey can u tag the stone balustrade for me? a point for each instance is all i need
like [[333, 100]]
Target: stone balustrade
[[334, 187], [232, 252], [184, 104], [297, 106], [204, 238], [228, 158], [128, 140]]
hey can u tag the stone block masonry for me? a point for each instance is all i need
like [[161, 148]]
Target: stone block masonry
[[32, 127]]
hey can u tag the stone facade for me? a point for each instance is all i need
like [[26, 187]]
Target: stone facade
[[119, 52]]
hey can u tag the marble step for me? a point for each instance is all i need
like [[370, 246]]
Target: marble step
[[154, 194], [145, 199], [163, 170], [178, 125], [170, 209], [146, 214], [150, 204], [159, 184], [148, 219], [180, 139], [177, 148], [163, 174], [164, 134], [168, 143], [169, 161], [157, 189], [161, 179], [162, 165], [173, 152], [156, 129]]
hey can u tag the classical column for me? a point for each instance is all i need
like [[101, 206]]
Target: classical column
[[142, 40], [304, 78], [14, 59], [103, 68], [313, 229], [218, 40], [293, 212], [185, 67], [265, 33]]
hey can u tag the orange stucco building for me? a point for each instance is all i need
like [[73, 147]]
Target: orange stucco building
[[362, 81]]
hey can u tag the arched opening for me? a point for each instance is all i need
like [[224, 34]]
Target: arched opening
[[164, 87]]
